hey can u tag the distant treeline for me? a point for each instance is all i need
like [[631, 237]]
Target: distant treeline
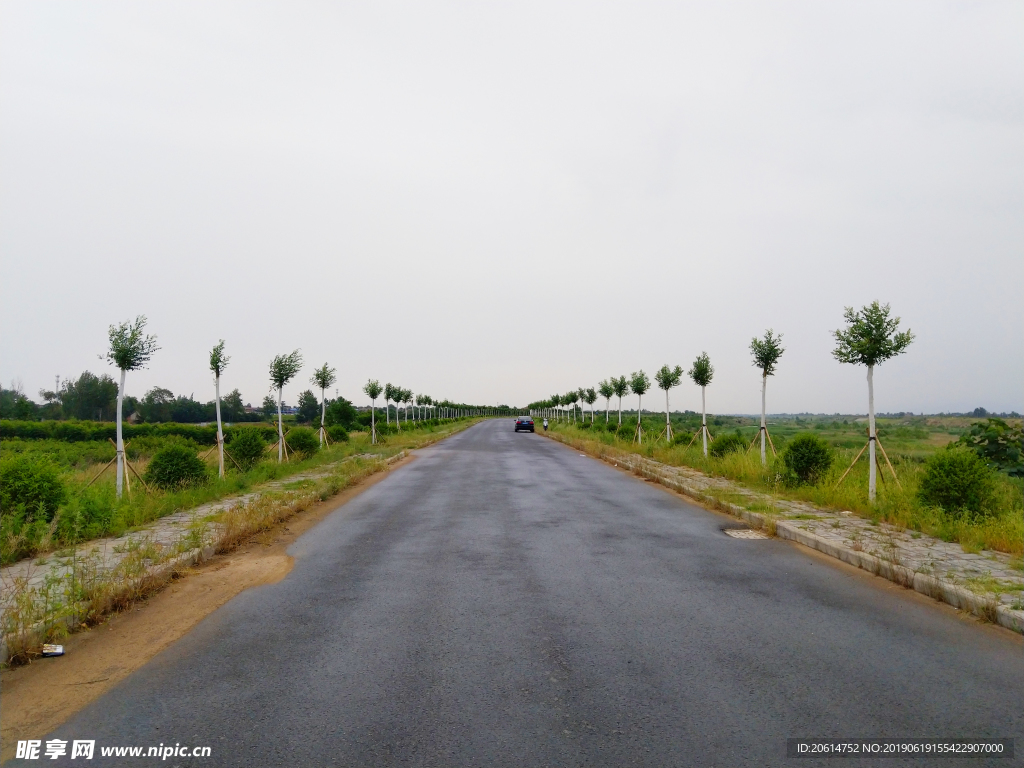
[[94, 398]]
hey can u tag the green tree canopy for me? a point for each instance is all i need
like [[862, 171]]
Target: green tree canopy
[[702, 371], [870, 337], [218, 360], [372, 388], [766, 352], [283, 368], [130, 348], [324, 377], [668, 377], [639, 382]]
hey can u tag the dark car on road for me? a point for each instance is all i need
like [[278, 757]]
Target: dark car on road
[[524, 422]]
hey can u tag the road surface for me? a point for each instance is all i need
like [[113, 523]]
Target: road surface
[[506, 601]]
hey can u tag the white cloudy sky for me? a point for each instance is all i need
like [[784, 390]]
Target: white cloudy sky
[[494, 202]]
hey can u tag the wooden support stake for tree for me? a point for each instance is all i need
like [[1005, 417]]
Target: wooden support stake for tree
[[856, 459], [133, 469], [233, 460], [105, 468], [891, 469]]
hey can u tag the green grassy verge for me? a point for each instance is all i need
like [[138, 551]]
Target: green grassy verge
[[93, 511]]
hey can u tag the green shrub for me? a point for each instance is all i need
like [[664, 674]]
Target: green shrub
[[808, 458], [31, 484], [77, 431], [342, 413], [682, 437], [304, 441], [999, 444], [338, 433], [958, 480], [727, 443], [176, 466], [247, 446], [148, 445]]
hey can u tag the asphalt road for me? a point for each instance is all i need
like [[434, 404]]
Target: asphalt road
[[505, 601]]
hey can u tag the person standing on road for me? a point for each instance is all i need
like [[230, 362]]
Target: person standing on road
[[545, 424]]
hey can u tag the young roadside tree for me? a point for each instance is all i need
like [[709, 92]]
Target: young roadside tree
[[283, 369], [639, 382], [323, 377], [556, 400], [702, 372], [390, 393], [569, 400], [620, 386], [130, 350], [668, 378], [590, 397], [606, 390], [373, 390], [218, 362], [766, 353], [407, 401], [870, 338]]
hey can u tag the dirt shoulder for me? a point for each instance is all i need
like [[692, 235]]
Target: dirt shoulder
[[37, 697]]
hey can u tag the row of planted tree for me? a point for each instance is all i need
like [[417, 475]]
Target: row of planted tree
[[131, 349], [870, 338]]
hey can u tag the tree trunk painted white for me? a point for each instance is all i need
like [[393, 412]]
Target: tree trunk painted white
[[668, 423], [764, 425], [120, 437], [280, 427], [387, 409], [620, 411], [220, 431], [704, 421], [323, 414], [871, 433], [607, 407], [373, 424]]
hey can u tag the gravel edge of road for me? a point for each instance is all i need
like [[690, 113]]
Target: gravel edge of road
[[930, 586]]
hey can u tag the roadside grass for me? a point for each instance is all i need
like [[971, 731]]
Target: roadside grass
[[897, 503], [86, 592], [93, 511]]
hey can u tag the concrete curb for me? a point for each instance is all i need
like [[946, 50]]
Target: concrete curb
[[937, 589]]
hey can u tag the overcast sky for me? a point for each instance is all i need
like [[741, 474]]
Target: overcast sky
[[496, 202]]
